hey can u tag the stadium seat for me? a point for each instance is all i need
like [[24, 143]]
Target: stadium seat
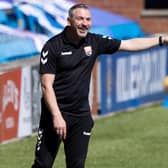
[[3, 17]]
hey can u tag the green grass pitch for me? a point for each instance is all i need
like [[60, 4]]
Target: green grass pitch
[[137, 139]]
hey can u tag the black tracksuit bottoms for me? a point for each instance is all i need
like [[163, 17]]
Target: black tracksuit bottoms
[[75, 145]]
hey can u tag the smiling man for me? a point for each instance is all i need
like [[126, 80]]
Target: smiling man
[[66, 64], [80, 21]]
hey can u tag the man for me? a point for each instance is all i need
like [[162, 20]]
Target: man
[[65, 67]]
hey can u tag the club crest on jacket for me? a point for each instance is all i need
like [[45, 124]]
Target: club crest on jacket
[[88, 50]]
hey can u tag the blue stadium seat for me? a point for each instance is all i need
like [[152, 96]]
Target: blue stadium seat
[[17, 46], [3, 17]]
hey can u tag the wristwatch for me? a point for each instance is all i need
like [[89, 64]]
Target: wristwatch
[[161, 41]]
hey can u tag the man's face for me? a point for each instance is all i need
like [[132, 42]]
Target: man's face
[[80, 21]]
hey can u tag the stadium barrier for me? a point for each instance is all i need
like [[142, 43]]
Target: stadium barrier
[[126, 80], [132, 79], [20, 93], [15, 93]]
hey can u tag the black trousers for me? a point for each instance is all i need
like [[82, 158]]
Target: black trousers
[[75, 145]]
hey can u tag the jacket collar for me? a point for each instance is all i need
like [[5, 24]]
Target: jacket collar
[[68, 40]]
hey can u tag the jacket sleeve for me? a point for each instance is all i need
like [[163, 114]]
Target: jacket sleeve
[[48, 59], [107, 45]]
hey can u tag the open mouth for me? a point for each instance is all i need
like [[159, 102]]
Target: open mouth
[[83, 30]]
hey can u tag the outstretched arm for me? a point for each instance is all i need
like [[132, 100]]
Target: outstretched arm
[[137, 44]]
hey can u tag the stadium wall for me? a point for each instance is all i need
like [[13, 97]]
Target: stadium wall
[[132, 79], [20, 103], [124, 81], [151, 21]]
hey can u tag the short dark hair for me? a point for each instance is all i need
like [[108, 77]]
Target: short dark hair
[[78, 5]]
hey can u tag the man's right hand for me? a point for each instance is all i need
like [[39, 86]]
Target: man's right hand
[[60, 126], [59, 123]]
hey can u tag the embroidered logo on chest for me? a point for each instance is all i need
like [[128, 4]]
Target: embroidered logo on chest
[[88, 50]]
